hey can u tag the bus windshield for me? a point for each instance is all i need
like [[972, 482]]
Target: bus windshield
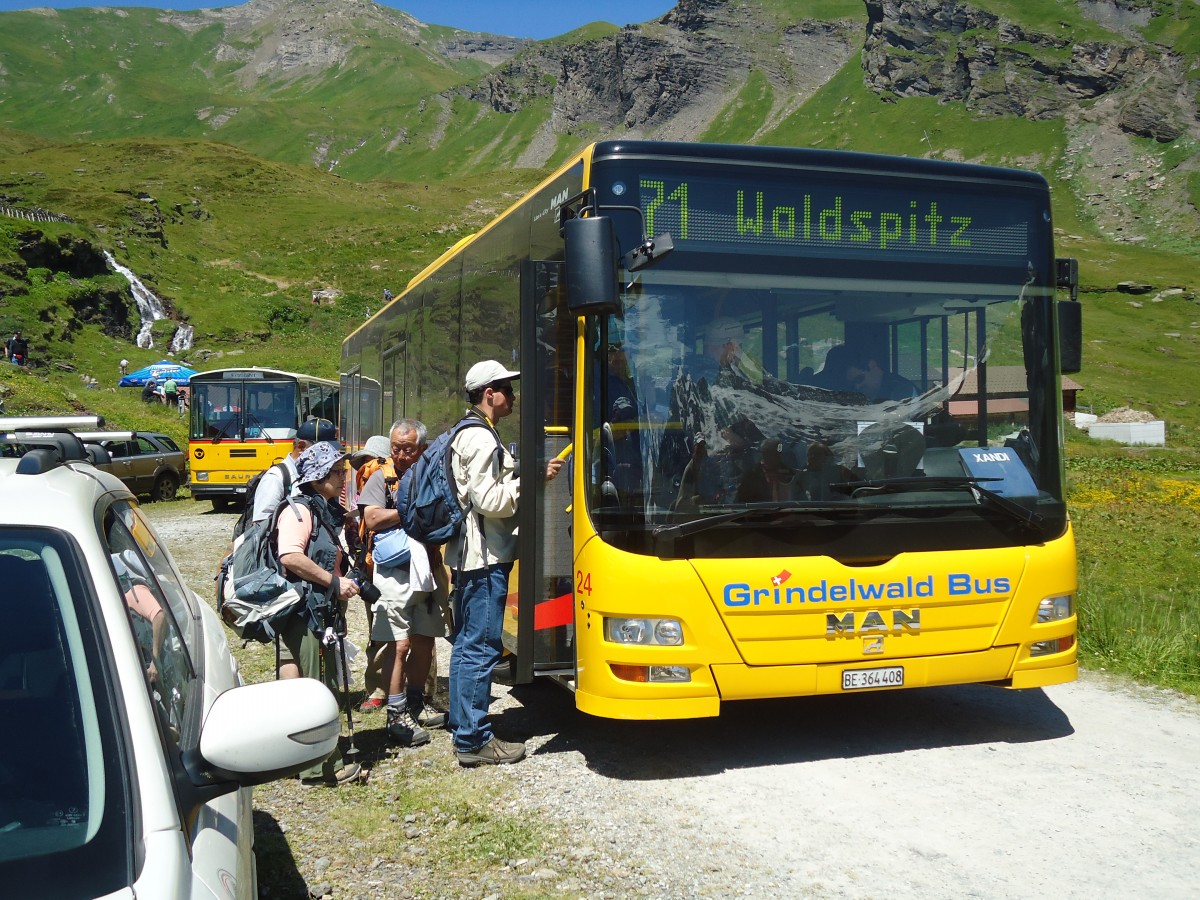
[[821, 348], [236, 410]]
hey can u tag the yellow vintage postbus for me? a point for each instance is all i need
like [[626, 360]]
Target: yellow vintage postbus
[[245, 419]]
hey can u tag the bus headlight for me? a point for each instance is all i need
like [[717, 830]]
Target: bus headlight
[[1058, 645], [652, 674], [201, 476], [660, 632], [1052, 609]]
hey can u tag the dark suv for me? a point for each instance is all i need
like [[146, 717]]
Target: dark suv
[[148, 462]]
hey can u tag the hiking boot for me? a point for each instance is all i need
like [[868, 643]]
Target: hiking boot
[[425, 715], [494, 753], [372, 704], [347, 774], [402, 729]]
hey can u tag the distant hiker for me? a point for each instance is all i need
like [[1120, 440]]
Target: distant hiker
[[150, 391], [171, 392], [387, 295], [124, 365], [17, 348]]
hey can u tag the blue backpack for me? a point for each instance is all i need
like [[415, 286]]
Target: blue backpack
[[426, 498]]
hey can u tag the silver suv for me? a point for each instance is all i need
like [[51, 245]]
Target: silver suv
[[147, 461], [132, 742]]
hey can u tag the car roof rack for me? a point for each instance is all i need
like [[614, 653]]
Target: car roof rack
[[46, 442], [49, 423], [106, 435]]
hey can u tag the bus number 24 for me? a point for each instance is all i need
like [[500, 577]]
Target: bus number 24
[[583, 582]]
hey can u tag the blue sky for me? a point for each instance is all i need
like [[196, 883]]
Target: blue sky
[[518, 18]]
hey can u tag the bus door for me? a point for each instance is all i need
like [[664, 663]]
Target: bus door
[[393, 383], [540, 630]]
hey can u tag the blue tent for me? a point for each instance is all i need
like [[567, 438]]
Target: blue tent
[[160, 372]]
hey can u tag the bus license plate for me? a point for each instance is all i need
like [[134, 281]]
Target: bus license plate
[[889, 676]]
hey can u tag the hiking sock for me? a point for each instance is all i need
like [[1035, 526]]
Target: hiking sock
[[397, 702]]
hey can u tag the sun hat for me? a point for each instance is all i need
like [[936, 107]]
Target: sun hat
[[487, 372], [315, 430], [318, 460], [376, 447]]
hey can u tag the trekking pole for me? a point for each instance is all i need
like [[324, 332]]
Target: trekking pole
[[339, 629]]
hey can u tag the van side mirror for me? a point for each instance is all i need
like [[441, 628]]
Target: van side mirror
[[591, 266]]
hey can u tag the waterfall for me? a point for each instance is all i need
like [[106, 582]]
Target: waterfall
[[150, 308], [182, 342]]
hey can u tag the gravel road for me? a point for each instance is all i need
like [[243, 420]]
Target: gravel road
[[1082, 790]]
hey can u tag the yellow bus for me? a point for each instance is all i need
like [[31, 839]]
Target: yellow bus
[[813, 409], [242, 420]]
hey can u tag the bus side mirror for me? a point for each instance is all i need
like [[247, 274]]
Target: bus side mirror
[[1070, 316], [1070, 336], [591, 264]]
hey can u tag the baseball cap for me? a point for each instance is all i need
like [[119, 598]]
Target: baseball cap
[[487, 372], [317, 461], [317, 430], [376, 447]]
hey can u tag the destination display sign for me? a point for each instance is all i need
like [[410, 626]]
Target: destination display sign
[[838, 217]]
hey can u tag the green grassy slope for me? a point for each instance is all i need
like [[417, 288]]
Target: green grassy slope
[[96, 74], [247, 242]]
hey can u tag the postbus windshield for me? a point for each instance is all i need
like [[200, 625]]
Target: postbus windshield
[[237, 409], [823, 350]]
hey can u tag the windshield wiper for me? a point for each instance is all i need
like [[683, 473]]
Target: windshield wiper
[[968, 482], [221, 431], [695, 526], [252, 419]]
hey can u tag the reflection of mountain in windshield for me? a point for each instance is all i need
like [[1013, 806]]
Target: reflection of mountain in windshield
[[734, 411]]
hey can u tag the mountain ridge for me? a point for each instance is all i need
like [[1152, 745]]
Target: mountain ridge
[[241, 161]]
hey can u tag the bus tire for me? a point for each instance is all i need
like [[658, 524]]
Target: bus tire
[[220, 504]]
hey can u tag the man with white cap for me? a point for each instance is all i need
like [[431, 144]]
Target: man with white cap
[[486, 483]]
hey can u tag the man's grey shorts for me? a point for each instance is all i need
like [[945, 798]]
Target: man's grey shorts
[[401, 611]]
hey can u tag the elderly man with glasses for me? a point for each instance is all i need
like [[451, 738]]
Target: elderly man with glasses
[[407, 617]]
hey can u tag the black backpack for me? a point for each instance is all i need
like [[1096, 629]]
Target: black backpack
[[427, 498], [247, 515], [258, 597]]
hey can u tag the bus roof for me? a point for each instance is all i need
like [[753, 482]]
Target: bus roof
[[834, 160], [259, 371]]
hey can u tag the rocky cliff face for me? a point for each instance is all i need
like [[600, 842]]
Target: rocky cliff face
[[955, 51], [668, 79]]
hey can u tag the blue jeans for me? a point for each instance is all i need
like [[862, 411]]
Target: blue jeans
[[479, 599]]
